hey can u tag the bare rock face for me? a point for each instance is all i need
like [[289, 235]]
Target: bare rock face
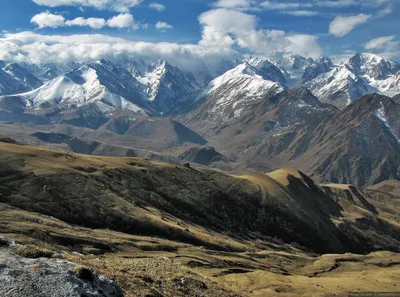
[[48, 278]]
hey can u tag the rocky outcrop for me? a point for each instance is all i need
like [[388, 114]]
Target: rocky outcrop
[[46, 277]]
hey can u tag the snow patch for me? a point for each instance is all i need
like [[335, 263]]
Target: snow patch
[[381, 115]]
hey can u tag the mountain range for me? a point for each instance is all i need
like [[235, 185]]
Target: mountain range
[[337, 121]]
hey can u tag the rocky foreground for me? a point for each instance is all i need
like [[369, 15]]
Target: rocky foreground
[[49, 277]]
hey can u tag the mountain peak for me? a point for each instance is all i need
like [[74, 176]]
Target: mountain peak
[[367, 57], [159, 64], [323, 59]]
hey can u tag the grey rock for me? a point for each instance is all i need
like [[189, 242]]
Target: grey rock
[[21, 277]]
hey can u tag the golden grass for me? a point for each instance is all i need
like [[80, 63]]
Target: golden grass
[[337, 186], [281, 175], [45, 161]]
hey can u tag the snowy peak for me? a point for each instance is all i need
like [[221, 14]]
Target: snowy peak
[[291, 65], [320, 66], [233, 94], [90, 84], [373, 66], [48, 71], [291, 61], [16, 79], [268, 70], [245, 76], [363, 74], [160, 66], [164, 85]]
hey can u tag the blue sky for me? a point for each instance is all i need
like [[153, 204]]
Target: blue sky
[[196, 28]]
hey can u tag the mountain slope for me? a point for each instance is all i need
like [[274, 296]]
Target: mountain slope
[[16, 79], [229, 97], [259, 134], [358, 145], [133, 195]]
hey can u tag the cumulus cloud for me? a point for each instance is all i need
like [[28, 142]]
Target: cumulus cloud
[[95, 23], [115, 5], [304, 45], [163, 25], [46, 19], [125, 20], [226, 28], [385, 42], [342, 25], [157, 6], [220, 22]]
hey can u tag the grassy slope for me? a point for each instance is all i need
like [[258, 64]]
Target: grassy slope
[[216, 231]]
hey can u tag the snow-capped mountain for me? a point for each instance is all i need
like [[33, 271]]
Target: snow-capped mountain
[[229, 95], [319, 66], [111, 86], [268, 71], [99, 82], [362, 74], [164, 85], [162, 89], [48, 71], [15, 79], [292, 66]]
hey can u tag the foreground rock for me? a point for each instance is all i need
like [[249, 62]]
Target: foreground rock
[[49, 277]]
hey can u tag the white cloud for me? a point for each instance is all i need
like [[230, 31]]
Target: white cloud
[[157, 6], [385, 42], [125, 20], [226, 28], [234, 4], [95, 23], [225, 33], [228, 21], [337, 3], [46, 19], [115, 5], [282, 6], [304, 45], [257, 5], [36, 48], [302, 13], [385, 11], [342, 26], [348, 3], [163, 26]]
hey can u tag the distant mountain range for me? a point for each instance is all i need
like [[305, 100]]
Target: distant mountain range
[[255, 114]]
